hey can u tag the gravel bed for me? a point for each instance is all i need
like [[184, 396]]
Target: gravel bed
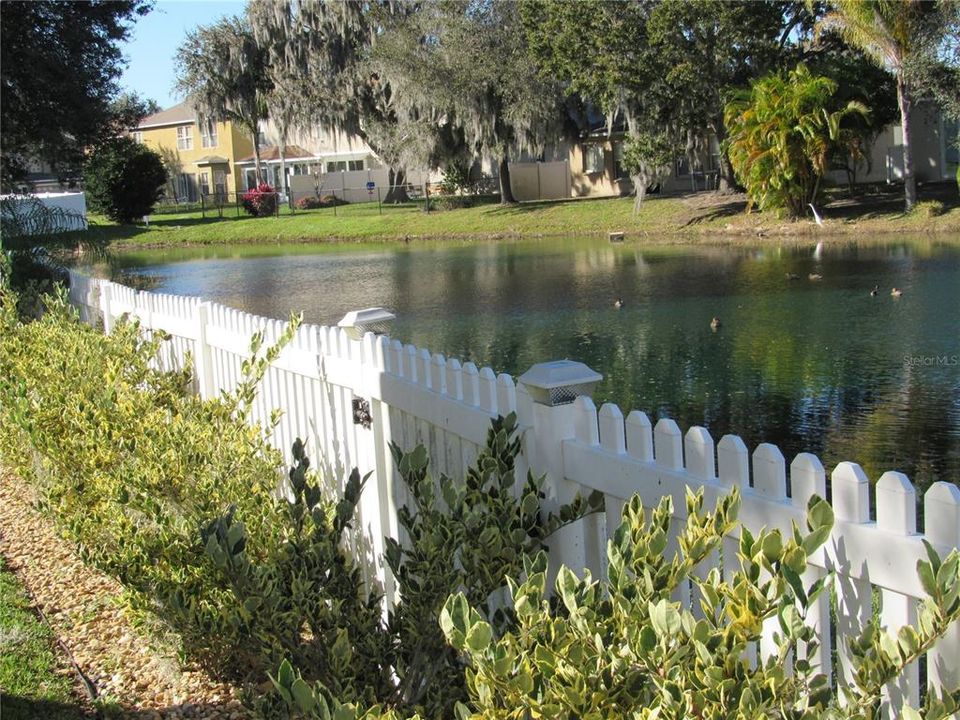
[[84, 608]]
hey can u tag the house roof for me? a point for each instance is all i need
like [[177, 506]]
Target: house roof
[[212, 160], [181, 114], [272, 152]]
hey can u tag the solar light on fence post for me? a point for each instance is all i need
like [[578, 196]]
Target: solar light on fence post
[[559, 382], [375, 320]]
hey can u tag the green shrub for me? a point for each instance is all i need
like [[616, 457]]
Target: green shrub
[[490, 530], [625, 648], [174, 496], [131, 466], [306, 582], [459, 202], [456, 179], [928, 209], [783, 132], [124, 179], [314, 202]]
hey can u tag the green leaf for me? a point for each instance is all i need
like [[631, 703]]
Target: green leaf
[[302, 695], [479, 636], [648, 638], [815, 539], [567, 587], [665, 619], [908, 713], [285, 675], [819, 514], [796, 584], [927, 579], [890, 647], [772, 545]]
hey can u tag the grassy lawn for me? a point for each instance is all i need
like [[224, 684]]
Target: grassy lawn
[[695, 217], [30, 686]]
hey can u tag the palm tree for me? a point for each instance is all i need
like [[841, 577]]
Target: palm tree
[[782, 132], [889, 31]]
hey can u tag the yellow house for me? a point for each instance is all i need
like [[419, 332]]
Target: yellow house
[[201, 157]]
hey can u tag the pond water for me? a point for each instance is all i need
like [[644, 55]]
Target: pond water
[[817, 365]]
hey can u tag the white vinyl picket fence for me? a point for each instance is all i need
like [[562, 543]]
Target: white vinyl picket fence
[[416, 397]]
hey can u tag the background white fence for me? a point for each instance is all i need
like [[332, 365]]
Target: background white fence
[[416, 397]]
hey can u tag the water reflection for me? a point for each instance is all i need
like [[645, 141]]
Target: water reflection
[[809, 364]]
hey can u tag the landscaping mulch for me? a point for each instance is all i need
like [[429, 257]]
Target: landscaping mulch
[[126, 671]]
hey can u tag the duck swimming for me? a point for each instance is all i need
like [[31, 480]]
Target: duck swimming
[[715, 323], [896, 292], [618, 303], [873, 293]]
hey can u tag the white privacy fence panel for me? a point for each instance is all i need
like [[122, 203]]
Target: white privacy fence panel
[[350, 399]]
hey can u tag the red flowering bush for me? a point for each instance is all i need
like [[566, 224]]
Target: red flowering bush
[[261, 201]]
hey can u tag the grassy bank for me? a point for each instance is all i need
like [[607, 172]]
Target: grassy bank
[[34, 680], [695, 217]]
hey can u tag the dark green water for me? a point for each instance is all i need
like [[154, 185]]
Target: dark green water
[[815, 365]]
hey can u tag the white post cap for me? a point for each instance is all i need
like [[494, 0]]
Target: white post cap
[[559, 382], [359, 322]]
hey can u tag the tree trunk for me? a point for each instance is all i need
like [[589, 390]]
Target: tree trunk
[[909, 180], [283, 161], [506, 192], [726, 177], [640, 187], [256, 155], [397, 192]]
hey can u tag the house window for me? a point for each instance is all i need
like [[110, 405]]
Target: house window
[[593, 158], [208, 135], [355, 165], [204, 184], [682, 167], [220, 185], [619, 173], [339, 166], [951, 133], [137, 136], [250, 177], [187, 186], [185, 138]]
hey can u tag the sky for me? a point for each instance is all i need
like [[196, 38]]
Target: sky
[[155, 39]]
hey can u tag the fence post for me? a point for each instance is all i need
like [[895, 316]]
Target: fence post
[[553, 386], [105, 303], [203, 207], [204, 359], [276, 204], [426, 197], [379, 204], [941, 505]]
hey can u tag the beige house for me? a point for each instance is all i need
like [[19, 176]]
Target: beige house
[[593, 167]]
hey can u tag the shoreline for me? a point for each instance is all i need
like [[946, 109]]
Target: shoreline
[[652, 237], [683, 220]]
